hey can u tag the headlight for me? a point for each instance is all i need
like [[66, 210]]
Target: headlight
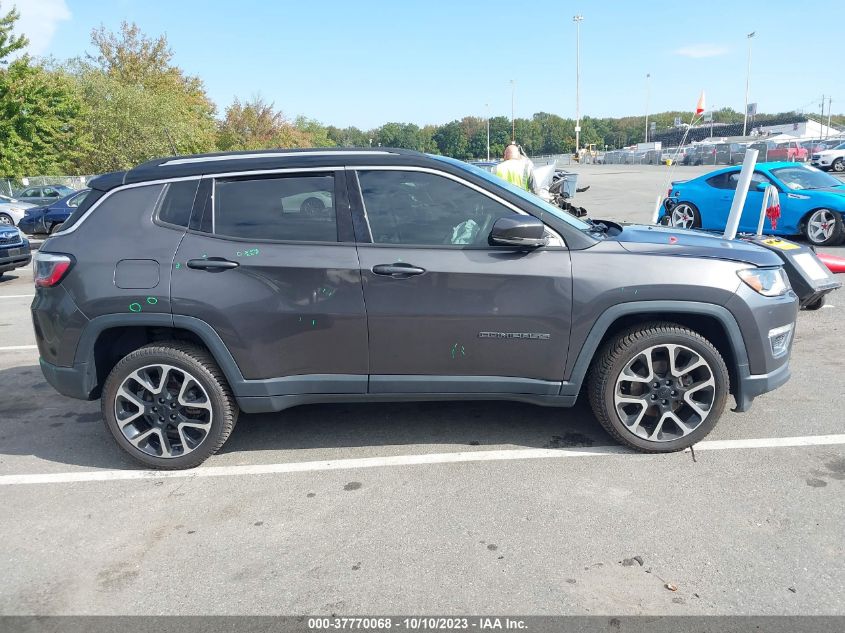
[[769, 282], [22, 235]]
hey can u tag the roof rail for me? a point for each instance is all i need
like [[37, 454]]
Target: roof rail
[[223, 157]]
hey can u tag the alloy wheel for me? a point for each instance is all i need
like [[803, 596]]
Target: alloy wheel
[[683, 216], [664, 392], [163, 411], [5, 219], [839, 165], [821, 225]]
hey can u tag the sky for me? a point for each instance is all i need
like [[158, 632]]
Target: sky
[[365, 62]]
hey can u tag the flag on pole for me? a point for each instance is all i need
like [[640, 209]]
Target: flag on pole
[[773, 207], [699, 109]]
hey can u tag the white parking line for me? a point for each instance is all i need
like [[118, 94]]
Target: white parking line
[[402, 460], [16, 296], [17, 347]]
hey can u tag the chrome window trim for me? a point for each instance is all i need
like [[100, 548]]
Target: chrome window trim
[[212, 159], [287, 170], [552, 233]]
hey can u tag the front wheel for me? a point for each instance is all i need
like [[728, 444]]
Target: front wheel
[[658, 387], [6, 220], [824, 228], [168, 405], [838, 165]]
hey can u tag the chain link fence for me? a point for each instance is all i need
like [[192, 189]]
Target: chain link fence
[[11, 186]]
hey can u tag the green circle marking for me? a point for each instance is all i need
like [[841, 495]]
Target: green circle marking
[[134, 307], [152, 300]]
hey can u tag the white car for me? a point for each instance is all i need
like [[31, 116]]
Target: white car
[[11, 210], [833, 158]]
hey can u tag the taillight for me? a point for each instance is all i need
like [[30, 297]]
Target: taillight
[[50, 268]]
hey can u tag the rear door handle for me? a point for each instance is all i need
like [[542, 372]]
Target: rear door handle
[[212, 264], [398, 270]]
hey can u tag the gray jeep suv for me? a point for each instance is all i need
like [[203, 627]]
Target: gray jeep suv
[[188, 289]]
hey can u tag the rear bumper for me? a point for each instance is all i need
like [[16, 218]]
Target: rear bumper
[[79, 381]]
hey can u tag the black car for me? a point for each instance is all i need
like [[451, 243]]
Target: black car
[[14, 249], [189, 289]]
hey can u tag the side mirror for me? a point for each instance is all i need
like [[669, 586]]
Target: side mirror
[[525, 231], [762, 186]]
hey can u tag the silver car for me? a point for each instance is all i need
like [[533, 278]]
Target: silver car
[[12, 210]]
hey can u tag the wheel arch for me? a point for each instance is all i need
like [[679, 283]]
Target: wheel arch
[[712, 321], [107, 339]]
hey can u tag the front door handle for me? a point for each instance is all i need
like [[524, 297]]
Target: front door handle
[[212, 264], [398, 270]]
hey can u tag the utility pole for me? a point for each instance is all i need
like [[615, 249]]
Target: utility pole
[[487, 108], [647, 95], [829, 105], [747, 82], [513, 116], [578, 19], [821, 118]]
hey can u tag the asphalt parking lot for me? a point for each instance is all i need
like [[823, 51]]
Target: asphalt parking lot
[[446, 508]]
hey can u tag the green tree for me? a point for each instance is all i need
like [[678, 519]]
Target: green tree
[[256, 124], [9, 42], [39, 112], [452, 141], [139, 104]]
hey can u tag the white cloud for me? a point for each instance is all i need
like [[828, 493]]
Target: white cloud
[[698, 51], [39, 21]]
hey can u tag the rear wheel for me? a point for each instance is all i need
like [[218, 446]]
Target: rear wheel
[[168, 405], [56, 227], [824, 227], [685, 215], [658, 387]]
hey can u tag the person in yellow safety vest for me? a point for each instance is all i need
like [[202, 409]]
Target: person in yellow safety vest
[[517, 169]]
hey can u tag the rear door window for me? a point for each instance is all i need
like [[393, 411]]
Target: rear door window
[[177, 202], [295, 207]]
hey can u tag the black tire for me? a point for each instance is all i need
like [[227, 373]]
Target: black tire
[[815, 305], [838, 165], [836, 236], [203, 368], [6, 220], [696, 214], [621, 350], [55, 228]]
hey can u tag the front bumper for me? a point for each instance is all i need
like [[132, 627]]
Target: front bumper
[[753, 385]]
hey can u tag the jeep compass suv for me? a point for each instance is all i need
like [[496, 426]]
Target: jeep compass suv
[[188, 289]]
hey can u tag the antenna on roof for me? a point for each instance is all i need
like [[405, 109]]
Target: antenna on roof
[[170, 139]]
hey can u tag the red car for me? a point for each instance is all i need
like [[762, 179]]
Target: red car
[[790, 151]]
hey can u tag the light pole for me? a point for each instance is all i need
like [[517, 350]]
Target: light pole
[[578, 19], [747, 82], [513, 116], [647, 95], [487, 110]]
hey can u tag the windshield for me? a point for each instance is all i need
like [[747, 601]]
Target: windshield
[[800, 177], [528, 197]]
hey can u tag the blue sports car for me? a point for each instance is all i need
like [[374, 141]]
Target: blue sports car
[[812, 202], [49, 218]]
